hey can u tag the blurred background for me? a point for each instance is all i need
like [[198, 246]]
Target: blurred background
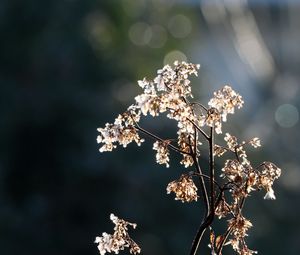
[[69, 66]]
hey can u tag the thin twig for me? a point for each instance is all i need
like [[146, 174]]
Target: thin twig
[[198, 104], [199, 129], [205, 222], [160, 139], [204, 225], [212, 168], [199, 171], [211, 208], [237, 155], [219, 249], [207, 177]]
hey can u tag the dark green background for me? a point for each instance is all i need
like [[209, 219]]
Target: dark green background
[[69, 66]]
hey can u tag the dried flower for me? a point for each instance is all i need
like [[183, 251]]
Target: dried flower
[[239, 245], [170, 93], [270, 194], [222, 210], [119, 240], [185, 144], [255, 142], [233, 171], [251, 182], [213, 119], [219, 150], [239, 226], [223, 103], [231, 141], [162, 154], [270, 172], [122, 132], [184, 188]]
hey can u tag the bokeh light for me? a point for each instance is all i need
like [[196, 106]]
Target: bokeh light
[[180, 26], [159, 37], [287, 115], [99, 30], [174, 55], [140, 33]]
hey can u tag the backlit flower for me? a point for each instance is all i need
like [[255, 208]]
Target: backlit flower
[[184, 189], [162, 152], [119, 240]]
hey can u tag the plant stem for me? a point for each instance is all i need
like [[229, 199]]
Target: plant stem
[[204, 225], [203, 187], [219, 251], [199, 171], [199, 129], [212, 169], [210, 205], [159, 139], [207, 177]]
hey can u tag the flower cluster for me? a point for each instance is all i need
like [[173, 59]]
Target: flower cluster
[[167, 92], [121, 131], [186, 144], [224, 102], [242, 178], [239, 227], [119, 240], [240, 172], [170, 93], [223, 209], [162, 154], [270, 172], [184, 189], [176, 79]]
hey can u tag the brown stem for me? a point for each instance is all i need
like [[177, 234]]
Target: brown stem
[[207, 177], [160, 139], [219, 249], [204, 225], [212, 169], [210, 205], [199, 129], [198, 104], [199, 171], [243, 199], [237, 155]]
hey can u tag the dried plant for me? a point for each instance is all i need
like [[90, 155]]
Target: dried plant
[[222, 191]]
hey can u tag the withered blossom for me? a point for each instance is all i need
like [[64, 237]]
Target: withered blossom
[[119, 240], [224, 102], [239, 226], [162, 152], [233, 171], [219, 150], [240, 246], [185, 144], [223, 209], [252, 181], [122, 132], [270, 172], [213, 119], [255, 142], [170, 94], [184, 189], [231, 141], [270, 194]]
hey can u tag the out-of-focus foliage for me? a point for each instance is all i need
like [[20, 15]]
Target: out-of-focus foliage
[[67, 67]]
